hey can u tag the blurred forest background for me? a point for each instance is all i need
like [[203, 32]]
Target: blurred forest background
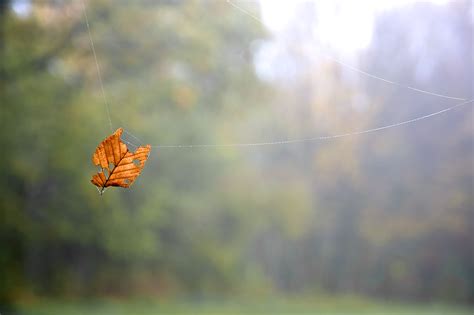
[[386, 215]]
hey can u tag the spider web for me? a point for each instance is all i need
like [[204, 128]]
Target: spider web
[[399, 85]]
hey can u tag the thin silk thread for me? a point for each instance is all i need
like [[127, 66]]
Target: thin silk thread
[[370, 75], [277, 142], [314, 139], [99, 75]]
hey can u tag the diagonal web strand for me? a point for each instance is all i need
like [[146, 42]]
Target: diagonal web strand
[[348, 66], [99, 75]]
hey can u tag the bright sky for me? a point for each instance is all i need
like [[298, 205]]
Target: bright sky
[[21, 7], [341, 27], [344, 25]]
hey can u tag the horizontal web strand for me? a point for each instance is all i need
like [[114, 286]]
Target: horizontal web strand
[[312, 139]]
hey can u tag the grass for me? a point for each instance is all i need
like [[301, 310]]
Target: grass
[[323, 306]]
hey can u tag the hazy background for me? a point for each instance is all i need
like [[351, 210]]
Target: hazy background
[[343, 224]]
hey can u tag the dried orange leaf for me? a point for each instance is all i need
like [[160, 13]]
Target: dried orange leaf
[[119, 166]]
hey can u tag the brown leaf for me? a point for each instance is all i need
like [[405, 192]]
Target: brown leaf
[[119, 166]]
